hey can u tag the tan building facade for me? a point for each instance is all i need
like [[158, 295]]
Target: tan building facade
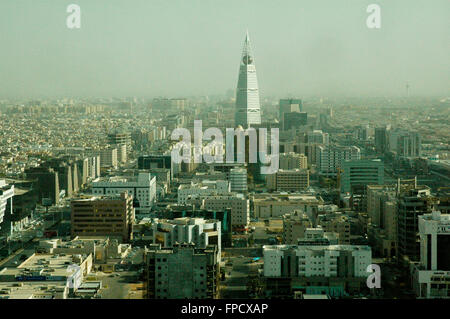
[[97, 216]]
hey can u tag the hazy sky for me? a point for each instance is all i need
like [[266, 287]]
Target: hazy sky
[[174, 48]]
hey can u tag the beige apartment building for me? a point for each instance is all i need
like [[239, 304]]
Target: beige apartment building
[[293, 180], [293, 160], [294, 226], [339, 224], [277, 204]]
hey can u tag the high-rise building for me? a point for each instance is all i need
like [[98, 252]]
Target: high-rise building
[[405, 143], [46, 182], [336, 223], [356, 174], [248, 110], [411, 204], [290, 113], [6, 195], [409, 145], [238, 179], [240, 208], [108, 157], [183, 272], [120, 138], [294, 120], [330, 158], [290, 105], [381, 139], [431, 276]]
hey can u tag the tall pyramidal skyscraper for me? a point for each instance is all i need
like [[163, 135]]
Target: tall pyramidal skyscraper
[[248, 110]]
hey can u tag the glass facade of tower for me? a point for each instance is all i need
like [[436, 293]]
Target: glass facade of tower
[[248, 110]]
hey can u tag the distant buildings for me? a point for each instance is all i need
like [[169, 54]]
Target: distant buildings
[[294, 120], [318, 137], [293, 160], [289, 106], [381, 139], [405, 143], [110, 216], [108, 157]]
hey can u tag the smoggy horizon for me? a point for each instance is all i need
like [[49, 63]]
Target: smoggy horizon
[[178, 48]]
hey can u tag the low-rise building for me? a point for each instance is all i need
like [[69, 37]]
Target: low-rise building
[[294, 180], [277, 204]]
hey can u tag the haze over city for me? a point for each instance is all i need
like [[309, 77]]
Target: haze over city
[[164, 48], [226, 155]]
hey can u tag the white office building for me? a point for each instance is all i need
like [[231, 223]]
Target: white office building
[[330, 158], [204, 188], [201, 232], [142, 187], [431, 276], [318, 260]]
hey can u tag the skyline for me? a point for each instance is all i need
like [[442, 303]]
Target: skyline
[[176, 49]]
